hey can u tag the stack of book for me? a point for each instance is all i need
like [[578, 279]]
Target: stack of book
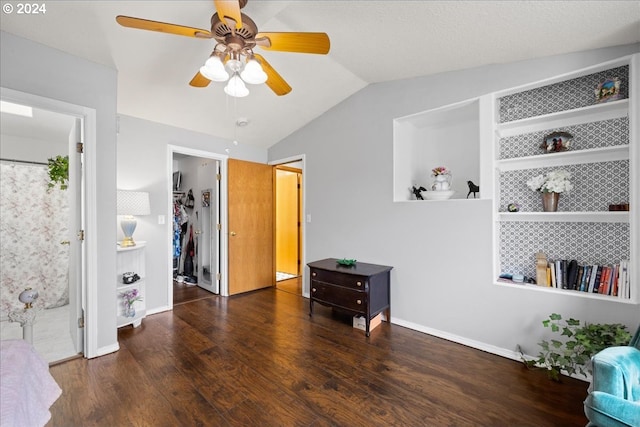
[[611, 279]]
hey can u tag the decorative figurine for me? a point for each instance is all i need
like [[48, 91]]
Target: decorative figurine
[[473, 189], [416, 192], [556, 141]]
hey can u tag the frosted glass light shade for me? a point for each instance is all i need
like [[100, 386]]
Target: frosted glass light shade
[[236, 87], [214, 70], [253, 73]]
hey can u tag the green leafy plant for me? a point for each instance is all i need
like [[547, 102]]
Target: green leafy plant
[[573, 354], [59, 172]]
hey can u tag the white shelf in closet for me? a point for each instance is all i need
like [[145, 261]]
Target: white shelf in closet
[[131, 259]]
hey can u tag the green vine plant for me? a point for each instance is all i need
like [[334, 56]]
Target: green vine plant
[[59, 172], [573, 353]]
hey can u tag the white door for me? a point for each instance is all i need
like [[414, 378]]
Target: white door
[[76, 238], [209, 234]]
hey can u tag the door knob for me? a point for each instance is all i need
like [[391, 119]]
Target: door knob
[[233, 233]]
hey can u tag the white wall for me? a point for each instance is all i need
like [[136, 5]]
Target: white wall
[[31, 149], [82, 83], [142, 165], [441, 252]]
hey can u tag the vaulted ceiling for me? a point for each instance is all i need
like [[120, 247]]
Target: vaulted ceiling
[[371, 42]]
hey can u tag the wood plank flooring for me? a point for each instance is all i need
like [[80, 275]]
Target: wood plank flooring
[[259, 360]]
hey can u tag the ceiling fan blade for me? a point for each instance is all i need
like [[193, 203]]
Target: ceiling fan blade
[[162, 27], [199, 80], [295, 42], [274, 80], [229, 9]]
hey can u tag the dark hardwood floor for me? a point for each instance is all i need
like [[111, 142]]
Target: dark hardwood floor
[[259, 360], [293, 286], [183, 293]]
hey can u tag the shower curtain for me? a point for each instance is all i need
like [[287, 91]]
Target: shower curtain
[[33, 223]]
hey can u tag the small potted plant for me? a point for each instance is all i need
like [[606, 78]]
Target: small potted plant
[[551, 186], [129, 298]]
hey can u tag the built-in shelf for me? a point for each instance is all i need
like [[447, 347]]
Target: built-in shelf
[[575, 157], [602, 173], [614, 216], [589, 295], [592, 113]]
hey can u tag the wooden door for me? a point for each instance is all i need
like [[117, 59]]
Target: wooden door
[[251, 241], [287, 221]]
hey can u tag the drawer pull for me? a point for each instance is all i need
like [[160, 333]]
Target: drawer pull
[[359, 283], [313, 274], [313, 289], [359, 301]]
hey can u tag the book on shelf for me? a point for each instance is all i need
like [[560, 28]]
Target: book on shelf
[[612, 280]]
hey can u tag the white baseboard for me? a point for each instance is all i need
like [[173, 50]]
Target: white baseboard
[[159, 310], [107, 350], [513, 355]]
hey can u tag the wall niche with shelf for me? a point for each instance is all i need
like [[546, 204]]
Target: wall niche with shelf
[[448, 136], [602, 158]]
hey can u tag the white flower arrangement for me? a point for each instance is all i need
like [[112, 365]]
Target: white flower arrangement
[[554, 182]]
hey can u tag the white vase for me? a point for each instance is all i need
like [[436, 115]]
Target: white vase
[[442, 183]]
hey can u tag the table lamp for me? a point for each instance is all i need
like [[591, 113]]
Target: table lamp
[[131, 203]]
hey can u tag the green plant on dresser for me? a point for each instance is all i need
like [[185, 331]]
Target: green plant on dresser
[[573, 355]]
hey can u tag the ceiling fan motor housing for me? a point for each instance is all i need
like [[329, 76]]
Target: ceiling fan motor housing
[[222, 32]]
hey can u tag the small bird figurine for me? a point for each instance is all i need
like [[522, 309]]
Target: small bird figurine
[[473, 189], [416, 192]]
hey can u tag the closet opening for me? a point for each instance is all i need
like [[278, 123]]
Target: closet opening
[[196, 227]]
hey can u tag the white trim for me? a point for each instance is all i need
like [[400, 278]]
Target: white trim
[[159, 310], [498, 351], [106, 350], [171, 149], [303, 223], [88, 116]]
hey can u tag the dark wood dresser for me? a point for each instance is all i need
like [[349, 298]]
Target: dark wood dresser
[[362, 289]]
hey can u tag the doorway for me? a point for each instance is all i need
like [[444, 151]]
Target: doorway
[[50, 259], [196, 219], [288, 226]]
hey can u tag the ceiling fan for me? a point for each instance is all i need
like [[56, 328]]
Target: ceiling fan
[[233, 58]]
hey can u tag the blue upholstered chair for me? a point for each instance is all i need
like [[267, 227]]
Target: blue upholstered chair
[[614, 395]]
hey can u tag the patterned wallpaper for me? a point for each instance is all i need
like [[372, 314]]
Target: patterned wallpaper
[[587, 242], [566, 95], [605, 133], [596, 185]]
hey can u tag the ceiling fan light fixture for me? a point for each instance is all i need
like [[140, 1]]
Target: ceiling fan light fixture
[[236, 87], [214, 70], [253, 73]]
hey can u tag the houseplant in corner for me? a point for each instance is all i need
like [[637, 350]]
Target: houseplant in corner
[[573, 354]]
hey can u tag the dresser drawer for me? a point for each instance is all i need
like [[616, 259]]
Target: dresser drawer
[[339, 296], [348, 280]]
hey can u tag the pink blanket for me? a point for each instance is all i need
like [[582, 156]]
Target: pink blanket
[[27, 389]]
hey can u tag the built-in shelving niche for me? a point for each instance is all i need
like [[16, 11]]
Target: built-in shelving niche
[[448, 136]]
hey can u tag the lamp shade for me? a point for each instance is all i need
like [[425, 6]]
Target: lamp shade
[[253, 73], [236, 87], [133, 203]]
